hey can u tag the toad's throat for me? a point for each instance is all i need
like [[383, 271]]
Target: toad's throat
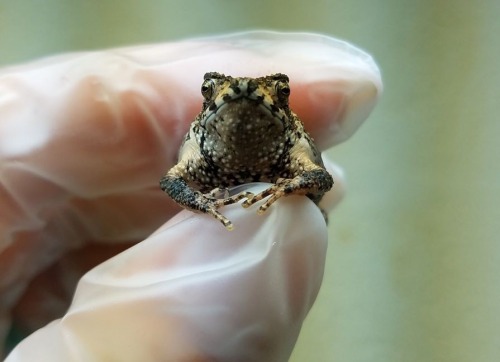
[[245, 134], [246, 149]]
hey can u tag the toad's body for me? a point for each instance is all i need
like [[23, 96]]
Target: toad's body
[[245, 132]]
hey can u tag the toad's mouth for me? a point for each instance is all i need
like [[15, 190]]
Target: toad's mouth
[[243, 108]]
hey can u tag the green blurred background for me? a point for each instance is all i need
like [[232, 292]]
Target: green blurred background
[[413, 268]]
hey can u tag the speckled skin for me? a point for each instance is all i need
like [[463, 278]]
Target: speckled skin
[[245, 133]]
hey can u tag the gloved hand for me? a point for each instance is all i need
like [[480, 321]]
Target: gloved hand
[[84, 139]]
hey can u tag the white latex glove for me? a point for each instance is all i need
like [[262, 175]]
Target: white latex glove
[[84, 140]]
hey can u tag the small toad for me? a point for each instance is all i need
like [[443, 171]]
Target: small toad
[[245, 133]]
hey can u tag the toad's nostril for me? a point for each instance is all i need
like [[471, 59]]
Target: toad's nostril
[[235, 87], [252, 85]]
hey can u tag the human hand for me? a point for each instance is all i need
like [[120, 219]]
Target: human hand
[[84, 139]]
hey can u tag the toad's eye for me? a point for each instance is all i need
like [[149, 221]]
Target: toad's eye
[[283, 89], [207, 88]]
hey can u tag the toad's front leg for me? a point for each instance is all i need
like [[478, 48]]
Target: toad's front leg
[[178, 189]]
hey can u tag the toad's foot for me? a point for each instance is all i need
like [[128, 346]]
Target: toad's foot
[[222, 198], [224, 220], [212, 203], [315, 182], [209, 205], [275, 191], [177, 188]]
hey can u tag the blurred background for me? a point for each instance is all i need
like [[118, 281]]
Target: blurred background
[[413, 266]]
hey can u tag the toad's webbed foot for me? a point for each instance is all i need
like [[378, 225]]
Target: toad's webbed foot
[[313, 183], [177, 188]]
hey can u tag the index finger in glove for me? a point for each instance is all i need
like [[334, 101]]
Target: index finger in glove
[[183, 295]]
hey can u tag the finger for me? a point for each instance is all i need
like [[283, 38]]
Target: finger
[[184, 295]]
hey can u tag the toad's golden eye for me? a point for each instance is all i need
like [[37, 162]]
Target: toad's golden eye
[[283, 89], [207, 88]]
